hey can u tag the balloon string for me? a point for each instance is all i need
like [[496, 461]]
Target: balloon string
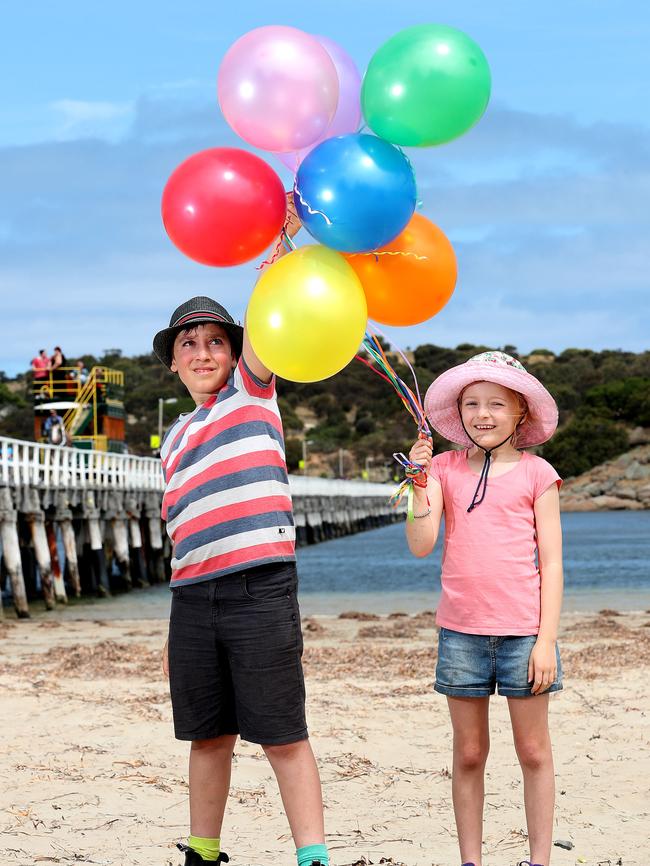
[[374, 370], [309, 209], [377, 253], [415, 474], [288, 241], [381, 366], [283, 241], [274, 257], [408, 364]]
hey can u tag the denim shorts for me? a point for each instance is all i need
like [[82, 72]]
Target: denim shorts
[[235, 648], [475, 665]]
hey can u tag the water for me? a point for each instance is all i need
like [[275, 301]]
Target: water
[[606, 562]]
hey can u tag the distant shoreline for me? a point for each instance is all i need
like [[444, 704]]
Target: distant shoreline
[[153, 604]]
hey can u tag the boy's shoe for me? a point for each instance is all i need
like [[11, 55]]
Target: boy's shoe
[[527, 863], [194, 859]]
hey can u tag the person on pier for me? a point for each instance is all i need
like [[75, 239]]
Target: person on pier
[[40, 366]]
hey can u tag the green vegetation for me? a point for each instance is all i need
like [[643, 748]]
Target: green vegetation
[[601, 395]]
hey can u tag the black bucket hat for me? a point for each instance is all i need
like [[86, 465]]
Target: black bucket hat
[[196, 311]]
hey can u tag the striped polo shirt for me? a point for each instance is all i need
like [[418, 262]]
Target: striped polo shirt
[[227, 503]]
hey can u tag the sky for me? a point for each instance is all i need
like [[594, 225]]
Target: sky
[[546, 200]]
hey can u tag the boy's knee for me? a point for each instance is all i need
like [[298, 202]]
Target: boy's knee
[[287, 750], [215, 744]]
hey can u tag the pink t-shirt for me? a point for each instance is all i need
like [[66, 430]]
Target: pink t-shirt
[[39, 366], [490, 578]]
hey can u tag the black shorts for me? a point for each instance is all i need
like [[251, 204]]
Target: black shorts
[[235, 647]]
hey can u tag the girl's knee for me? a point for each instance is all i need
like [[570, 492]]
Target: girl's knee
[[471, 755], [534, 754]]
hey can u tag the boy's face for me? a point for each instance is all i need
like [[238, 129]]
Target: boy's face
[[203, 359]]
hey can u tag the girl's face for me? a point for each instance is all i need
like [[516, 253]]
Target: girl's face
[[490, 412], [203, 359]]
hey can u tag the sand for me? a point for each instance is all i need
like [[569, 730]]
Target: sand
[[90, 771]]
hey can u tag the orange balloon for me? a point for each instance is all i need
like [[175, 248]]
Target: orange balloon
[[410, 279]]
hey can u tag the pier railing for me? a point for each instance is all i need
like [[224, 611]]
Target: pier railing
[[33, 464], [105, 508]]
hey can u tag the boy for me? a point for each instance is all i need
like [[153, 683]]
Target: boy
[[234, 650]]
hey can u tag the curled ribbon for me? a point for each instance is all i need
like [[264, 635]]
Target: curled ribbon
[[379, 364], [310, 210]]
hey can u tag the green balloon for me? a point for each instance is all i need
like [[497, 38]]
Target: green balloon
[[427, 85]]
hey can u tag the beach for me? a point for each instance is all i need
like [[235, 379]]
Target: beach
[[90, 771]]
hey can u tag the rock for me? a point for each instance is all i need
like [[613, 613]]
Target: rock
[[563, 843], [593, 489], [614, 503], [624, 491], [640, 436], [637, 471], [624, 459], [574, 504], [617, 484]]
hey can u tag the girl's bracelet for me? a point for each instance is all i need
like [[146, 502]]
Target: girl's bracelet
[[425, 514]]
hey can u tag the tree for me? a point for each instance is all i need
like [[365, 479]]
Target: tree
[[586, 441]]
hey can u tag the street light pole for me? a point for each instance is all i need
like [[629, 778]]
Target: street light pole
[[161, 402]]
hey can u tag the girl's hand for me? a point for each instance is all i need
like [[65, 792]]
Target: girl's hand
[[165, 659], [421, 452], [542, 666]]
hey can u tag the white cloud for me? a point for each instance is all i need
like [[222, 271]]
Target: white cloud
[[549, 218], [75, 118]]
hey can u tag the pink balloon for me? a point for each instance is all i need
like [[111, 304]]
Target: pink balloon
[[348, 113], [278, 88]]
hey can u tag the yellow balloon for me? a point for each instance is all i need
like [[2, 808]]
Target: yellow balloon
[[307, 315]]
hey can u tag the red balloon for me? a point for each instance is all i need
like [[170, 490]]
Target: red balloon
[[223, 206]]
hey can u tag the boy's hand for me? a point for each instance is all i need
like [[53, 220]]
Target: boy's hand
[[422, 452], [293, 222], [165, 659], [542, 666]]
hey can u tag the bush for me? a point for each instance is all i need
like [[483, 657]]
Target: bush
[[585, 442], [626, 400], [290, 421], [293, 452]]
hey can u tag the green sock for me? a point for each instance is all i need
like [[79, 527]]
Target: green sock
[[310, 853], [209, 849]]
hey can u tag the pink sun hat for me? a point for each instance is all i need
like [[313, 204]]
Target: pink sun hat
[[441, 400]]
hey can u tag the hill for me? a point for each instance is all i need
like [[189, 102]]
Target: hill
[[354, 421]]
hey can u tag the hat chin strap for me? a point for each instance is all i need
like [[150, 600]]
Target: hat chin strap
[[483, 479]]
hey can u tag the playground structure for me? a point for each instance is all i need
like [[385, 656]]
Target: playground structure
[[91, 405]]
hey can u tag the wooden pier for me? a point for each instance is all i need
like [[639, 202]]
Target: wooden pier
[[102, 510]]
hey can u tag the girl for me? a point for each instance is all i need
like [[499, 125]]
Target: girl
[[501, 578]]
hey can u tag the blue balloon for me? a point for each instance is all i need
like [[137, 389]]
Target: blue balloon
[[355, 193]]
